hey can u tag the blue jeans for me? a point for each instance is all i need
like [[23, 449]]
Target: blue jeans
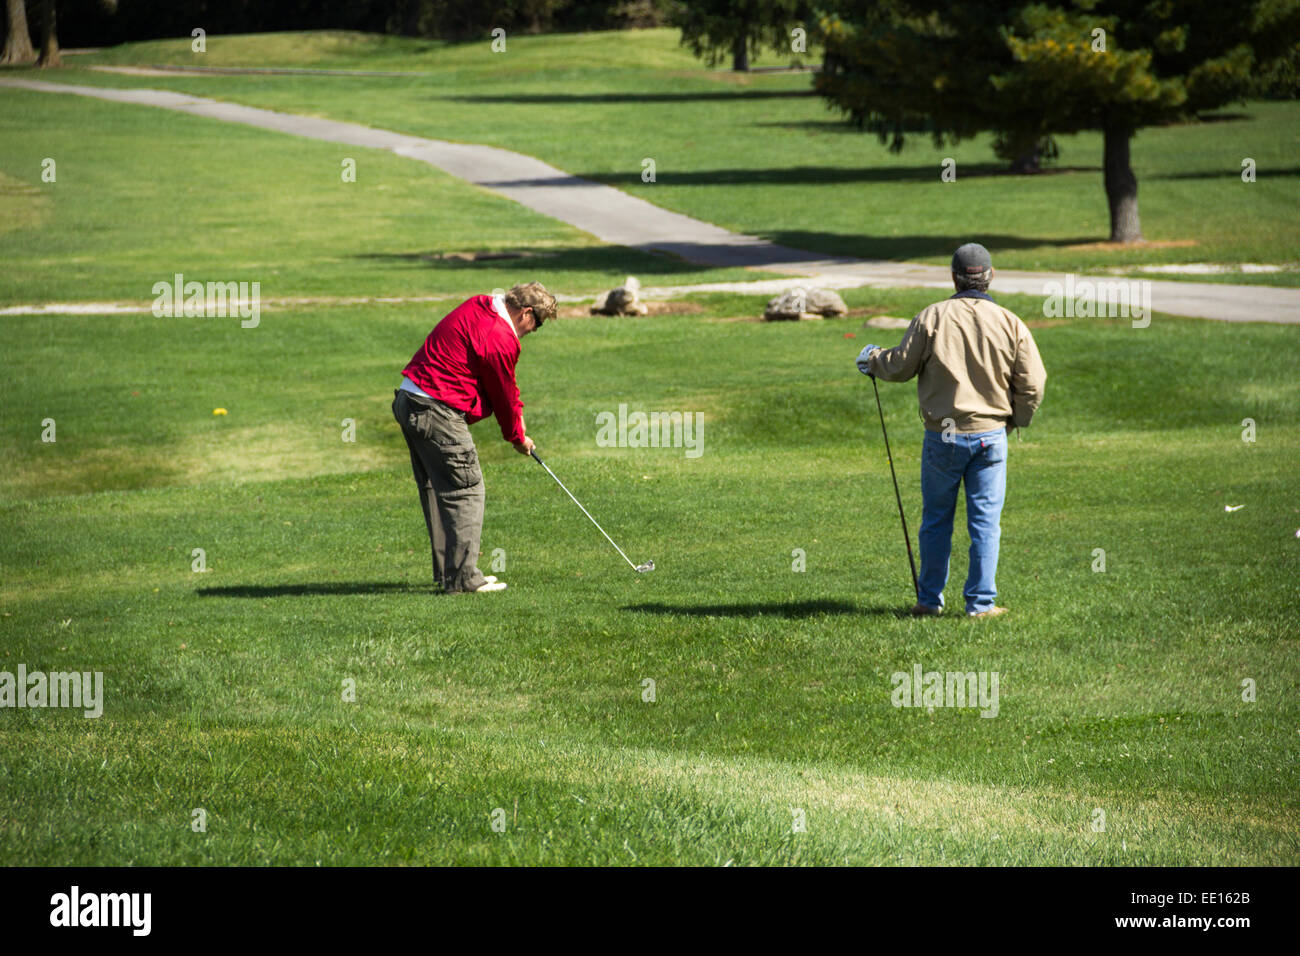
[[981, 461]]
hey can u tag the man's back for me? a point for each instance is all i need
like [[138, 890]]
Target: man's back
[[468, 362], [976, 364]]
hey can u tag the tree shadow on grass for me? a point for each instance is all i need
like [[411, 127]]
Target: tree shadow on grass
[[321, 588], [1219, 118], [816, 175], [910, 247], [667, 260], [613, 260], [574, 99], [1227, 174], [786, 609]]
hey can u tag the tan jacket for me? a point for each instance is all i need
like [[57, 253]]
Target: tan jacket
[[975, 363]]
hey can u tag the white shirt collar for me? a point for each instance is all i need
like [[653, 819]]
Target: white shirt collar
[[499, 303]]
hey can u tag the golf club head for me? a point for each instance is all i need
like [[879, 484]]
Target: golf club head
[[643, 568]]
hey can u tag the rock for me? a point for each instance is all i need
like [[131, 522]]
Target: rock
[[826, 302], [789, 305], [801, 303], [620, 301]]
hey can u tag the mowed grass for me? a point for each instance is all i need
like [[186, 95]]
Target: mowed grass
[[760, 154], [142, 194], [1120, 691]]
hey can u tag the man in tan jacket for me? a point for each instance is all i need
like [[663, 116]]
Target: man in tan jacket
[[978, 371]]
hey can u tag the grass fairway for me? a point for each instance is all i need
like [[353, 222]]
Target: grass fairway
[[760, 154], [142, 193], [1120, 690]]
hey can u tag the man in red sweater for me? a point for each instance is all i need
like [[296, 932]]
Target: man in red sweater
[[464, 372]]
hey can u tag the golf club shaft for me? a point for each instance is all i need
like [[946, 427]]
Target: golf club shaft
[[907, 539], [584, 510]]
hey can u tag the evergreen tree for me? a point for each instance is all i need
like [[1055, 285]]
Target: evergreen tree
[[1027, 71]]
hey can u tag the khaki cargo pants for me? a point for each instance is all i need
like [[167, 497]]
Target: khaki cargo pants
[[450, 482]]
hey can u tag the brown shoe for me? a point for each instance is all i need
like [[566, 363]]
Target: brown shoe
[[924, 610], [991, 612]]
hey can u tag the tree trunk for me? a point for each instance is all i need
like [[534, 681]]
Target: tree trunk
[[1121, 184], [18, 42], [49, 37], [740, 54], [1027, 162]]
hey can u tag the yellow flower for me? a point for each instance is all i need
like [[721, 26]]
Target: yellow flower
[[219, 411]]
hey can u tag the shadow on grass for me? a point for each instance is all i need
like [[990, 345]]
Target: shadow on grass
[[604, 259], [327, 587], [1219, 118], [1228, 173], [821, 175], [560, 99], [915, 246], [668, 259], [787, 609]]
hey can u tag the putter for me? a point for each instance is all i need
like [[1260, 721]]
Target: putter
[[638, 568], [899, 498]]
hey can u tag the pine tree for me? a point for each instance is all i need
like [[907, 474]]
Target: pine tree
[[715, 29], [1027, 71]]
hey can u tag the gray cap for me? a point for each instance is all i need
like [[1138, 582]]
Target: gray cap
[[971, 260]]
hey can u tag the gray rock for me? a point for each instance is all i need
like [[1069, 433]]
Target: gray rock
[[789, 305], [804, 303], [801, 303], [620, 301], [826, 302]]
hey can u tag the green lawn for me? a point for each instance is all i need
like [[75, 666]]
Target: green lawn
[[142, 194], [1119, 691], [760, 154]]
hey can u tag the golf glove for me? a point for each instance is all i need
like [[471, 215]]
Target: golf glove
[[863, 365]]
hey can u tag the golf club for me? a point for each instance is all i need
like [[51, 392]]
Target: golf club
[[638, 568], [899, 498]]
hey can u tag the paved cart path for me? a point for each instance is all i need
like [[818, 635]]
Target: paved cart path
[[616, 217]]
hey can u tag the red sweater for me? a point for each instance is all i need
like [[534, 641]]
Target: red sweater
[[468, 362]]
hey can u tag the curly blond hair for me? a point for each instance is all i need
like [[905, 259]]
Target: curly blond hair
[[532, 295]]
